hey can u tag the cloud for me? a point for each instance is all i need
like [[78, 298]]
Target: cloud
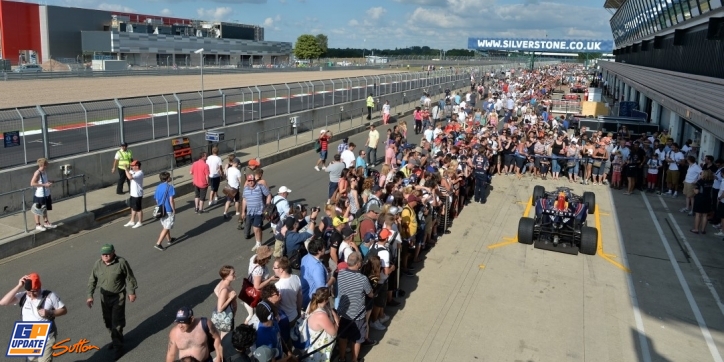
[[219, 13], [268, 22], [166, 12], [353, 22], [116, 7], [376, 12], [283, 1], [278, 18], [422, 2]]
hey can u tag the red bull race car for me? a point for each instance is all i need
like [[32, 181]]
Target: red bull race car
[[560, 222]]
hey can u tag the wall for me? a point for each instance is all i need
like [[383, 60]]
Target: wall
[[19, 29], [65, 25]]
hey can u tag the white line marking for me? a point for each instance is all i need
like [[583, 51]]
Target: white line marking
[[684, 285], [208, 107], [163, 114], [704, 275], [643, 340], [30, 133]]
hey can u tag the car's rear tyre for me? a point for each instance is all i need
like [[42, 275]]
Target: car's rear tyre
[[525, 230], [539, 192], [589, 199], [589, 240]]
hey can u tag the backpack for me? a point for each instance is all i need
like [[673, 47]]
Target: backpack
[[271, 213], [318, 146], [366, 204], [43, 296], [356, 223], [209, 337], [375, 250]]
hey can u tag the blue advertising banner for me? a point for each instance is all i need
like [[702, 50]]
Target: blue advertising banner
[[625, 108], [542, 45], [12, 138]]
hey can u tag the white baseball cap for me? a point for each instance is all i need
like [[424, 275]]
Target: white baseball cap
[[284, 189], [323, 131]]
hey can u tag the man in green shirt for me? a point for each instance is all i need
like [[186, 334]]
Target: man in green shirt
[[113, 275]]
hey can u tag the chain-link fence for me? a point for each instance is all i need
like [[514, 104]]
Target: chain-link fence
[[62, 130]]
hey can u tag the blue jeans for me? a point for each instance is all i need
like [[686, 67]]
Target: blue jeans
[[556, 167], [332, 188], [371, 156]]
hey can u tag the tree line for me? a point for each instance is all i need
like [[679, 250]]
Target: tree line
[[310, 46]]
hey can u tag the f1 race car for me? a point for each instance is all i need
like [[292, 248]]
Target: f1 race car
[[560, 222]]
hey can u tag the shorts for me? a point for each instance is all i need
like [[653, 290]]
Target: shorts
[[167, 222], [689, 189], [45, 200], [254, 221], [381, 298], [323, 155], [355, 331], [236, 198], [200, 192], [136, 203], [214, 183], [652, 178], [672, 176]]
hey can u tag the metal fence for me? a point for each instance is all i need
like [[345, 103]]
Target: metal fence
[[77, 70], [566, 106], [21, 201], [62, 130]]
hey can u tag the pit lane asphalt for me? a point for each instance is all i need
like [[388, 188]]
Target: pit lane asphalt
[[184, 274]]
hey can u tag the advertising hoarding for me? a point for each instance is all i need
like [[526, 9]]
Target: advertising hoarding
[[542, 45]]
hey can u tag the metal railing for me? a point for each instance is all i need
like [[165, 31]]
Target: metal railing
[[61, 130], [77, 70], [566, 106], [167, 162], [68, 191]]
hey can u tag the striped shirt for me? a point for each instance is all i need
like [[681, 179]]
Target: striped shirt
[[342, 147], [255, 197], [353, 286]]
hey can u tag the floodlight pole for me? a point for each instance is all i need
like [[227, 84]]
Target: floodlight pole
[[203, 110]]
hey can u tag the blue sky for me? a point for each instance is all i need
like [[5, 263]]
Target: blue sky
[[387, 23]]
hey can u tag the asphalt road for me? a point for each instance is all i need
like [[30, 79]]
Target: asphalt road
[[73, 140], [184, 274]]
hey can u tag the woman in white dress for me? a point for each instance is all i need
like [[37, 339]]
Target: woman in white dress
[[323, 323]]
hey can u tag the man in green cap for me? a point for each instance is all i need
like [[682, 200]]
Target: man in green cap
[[115, 279]]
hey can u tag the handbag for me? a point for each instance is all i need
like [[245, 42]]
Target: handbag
[[222, 320], [160, 210], [249, 295], [229, 191], [596, 163]]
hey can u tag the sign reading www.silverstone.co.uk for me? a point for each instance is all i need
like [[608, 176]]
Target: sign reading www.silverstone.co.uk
[[542, 45]]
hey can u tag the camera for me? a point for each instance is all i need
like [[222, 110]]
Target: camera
[[315, 208]]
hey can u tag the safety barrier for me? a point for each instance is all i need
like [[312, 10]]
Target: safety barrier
[[24, 196]]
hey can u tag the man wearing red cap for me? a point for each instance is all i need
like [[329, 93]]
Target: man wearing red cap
[[37, 305]]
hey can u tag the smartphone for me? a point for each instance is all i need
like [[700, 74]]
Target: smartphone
[[28, 284]]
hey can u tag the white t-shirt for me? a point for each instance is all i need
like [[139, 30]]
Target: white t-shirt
[[653, 166], [429, 134], [344, 251], [384, 262], [692, 173], [348, 158], [136, 183], [214, 163], [30, 309], [288, 290], [718, 178], [386, 109], [233, 176], [677, 157]]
